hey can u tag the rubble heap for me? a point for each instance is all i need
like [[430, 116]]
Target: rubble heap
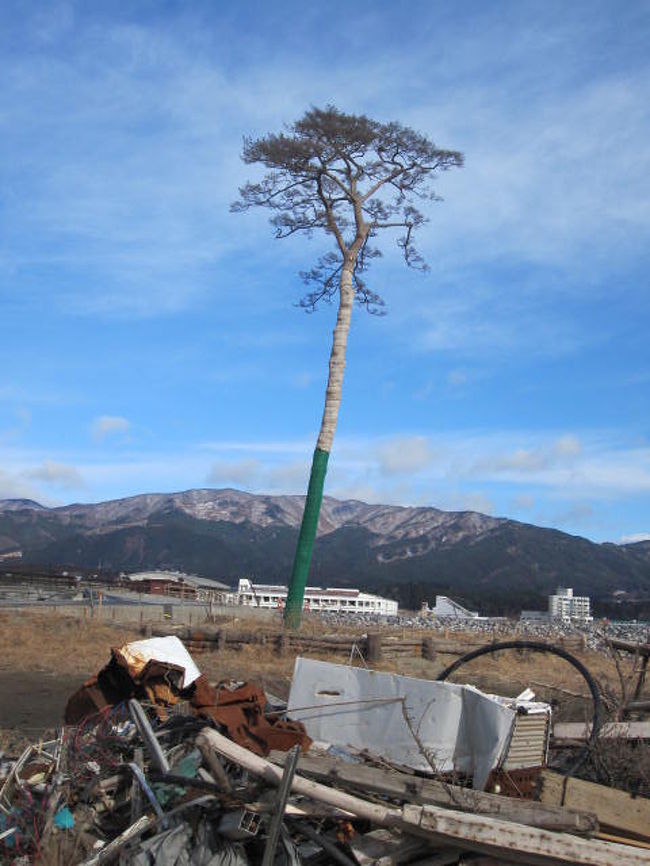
[[156, 767]]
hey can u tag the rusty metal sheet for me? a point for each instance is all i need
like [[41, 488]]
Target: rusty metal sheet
[[241, 712]]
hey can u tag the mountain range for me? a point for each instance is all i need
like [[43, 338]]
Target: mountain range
[[408, 552]]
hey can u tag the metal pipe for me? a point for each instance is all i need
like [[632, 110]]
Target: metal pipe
[[146, 732], [283, 796]]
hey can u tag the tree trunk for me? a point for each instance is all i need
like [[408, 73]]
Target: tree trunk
[[309, 525]]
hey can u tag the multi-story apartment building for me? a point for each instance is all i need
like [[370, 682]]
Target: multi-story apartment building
[[566, 606]]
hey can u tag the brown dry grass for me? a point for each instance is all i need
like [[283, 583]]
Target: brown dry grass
[[50, 641], [54, 642], [43, 643]]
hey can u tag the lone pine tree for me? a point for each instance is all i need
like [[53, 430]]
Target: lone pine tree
[[353, 178]]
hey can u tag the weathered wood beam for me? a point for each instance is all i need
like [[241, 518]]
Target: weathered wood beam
[[641, 649], [609, 731], [421, 791], [616, 810], [509, 841]]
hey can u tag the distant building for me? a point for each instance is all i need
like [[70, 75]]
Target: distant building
[[567, 607], [174, 583], [316, 599], [534, 615], [449, 609]]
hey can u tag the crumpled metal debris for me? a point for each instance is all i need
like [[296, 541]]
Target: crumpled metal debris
[[240, 711]]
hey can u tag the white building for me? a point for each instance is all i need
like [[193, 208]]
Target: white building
[[448, 608], [566, 606], [316, 599]]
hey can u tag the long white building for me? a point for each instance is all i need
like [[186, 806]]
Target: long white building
[[316, 599]]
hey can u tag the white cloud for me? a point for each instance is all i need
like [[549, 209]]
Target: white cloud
[[302, 380], [544, 457], [293, 446], [15, 487], [582, 514], [244, 472], [404, 455], [158, 215], [289, 477], [271, 474], [473, 500], [524, 501], [635, 537], [56, 474], [456, 378], [22, 425], [109, 425]]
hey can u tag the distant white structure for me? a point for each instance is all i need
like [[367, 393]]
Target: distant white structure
[[534, 615], [449, 609], [158, 575], [173, 577], [316, 599], [566, 606]]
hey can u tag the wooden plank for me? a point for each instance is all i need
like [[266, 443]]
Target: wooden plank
[[414, 789], [616, 810], [610, 731], [641, 649], [515, 842], [623, 840]]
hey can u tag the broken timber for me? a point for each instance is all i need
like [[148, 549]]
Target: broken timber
[[610, 731], [415, 789], [507, 840], [616, 810]]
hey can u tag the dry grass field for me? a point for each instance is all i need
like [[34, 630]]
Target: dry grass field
[[45, 656]]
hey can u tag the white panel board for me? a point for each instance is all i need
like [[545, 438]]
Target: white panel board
[[461, 728]]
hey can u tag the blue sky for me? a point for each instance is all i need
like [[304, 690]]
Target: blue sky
[[150, 339]]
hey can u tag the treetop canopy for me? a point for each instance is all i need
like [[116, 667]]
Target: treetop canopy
[[351, 176]]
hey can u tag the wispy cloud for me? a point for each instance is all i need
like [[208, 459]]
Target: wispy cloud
[[15, 487], [109, 425], [244, 472], [127, 214], [57, 474], [635, 537], [568, 480], [523, 460], [523, 502], [404, 455]]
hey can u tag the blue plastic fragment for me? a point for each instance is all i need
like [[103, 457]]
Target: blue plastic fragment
[[64, 819]]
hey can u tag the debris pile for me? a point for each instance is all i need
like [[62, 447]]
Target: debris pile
[[156, 767], [595, 635]]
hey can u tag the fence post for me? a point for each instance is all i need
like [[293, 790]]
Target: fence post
[[428, 649], [283, 643], [373, 647]]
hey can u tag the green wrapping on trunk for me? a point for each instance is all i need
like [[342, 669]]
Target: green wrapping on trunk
[[305, 546]]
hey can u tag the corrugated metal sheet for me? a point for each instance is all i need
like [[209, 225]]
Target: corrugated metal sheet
[[528, 744]]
